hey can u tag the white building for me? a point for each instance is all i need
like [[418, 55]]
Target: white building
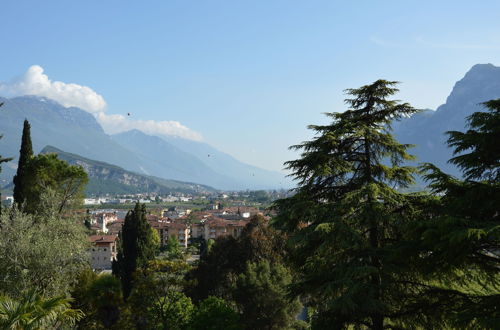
[[103, 251]]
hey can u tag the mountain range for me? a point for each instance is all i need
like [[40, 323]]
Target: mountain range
[[111, 179], [73, 130], [77, 131], [427, 130]]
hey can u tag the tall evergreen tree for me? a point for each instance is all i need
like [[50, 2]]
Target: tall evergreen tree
[[346, 218], [25, 154], [461, 241], [136, 247], [2, 160]]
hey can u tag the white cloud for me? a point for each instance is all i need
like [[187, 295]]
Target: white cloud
[[35, 82], [120, 123]]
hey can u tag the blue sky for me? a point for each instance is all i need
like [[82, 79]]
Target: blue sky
[[245, 76]]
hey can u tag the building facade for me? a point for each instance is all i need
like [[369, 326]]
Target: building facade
[[103, 251]]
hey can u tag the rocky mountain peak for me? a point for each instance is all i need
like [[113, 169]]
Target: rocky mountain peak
[[481, 83]]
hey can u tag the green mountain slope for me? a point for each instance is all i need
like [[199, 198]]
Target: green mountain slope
[[106, 178]]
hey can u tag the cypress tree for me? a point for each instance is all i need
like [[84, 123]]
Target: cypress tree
[[346, 220], [25, 154], [2, 160], [136, 247]]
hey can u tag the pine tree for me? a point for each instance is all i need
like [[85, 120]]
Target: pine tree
[[461, 241], [25, 154], [136, 247], [346, 219]]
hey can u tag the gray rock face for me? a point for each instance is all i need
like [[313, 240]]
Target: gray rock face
[[427, 130]]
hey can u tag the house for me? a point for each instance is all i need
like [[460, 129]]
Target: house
[[115, 227], [166, 230], [213, 228], [198, 230], [103, 251], [217, 227], [106, 217], [161, 228], [180, 230]]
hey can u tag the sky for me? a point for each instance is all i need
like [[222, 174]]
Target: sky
[[246, 77]]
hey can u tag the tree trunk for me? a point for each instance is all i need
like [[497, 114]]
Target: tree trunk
[[377, 319]]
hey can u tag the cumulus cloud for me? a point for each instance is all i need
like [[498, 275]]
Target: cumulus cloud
[[120, 123], [36, 82]]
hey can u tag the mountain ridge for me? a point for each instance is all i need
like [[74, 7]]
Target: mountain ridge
[[77, 131], [223, 169], [108, 178], [427, 130]]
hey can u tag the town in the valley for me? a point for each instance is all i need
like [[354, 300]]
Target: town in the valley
[[190, 220]]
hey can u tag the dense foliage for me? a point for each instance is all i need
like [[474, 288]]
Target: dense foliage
[[22, 174], [213, 314], [137, 247], [218, 269], [250, 272], [348, 244], [261, 294], [100, 298], [460, 242], [2, 160], [347, 219], [40, 252], [33, 311], [48, 172], [164, 305]]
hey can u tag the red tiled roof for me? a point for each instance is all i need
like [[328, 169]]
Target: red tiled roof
[[103, 238], [217, 222], [176, 225], [157, 224]]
